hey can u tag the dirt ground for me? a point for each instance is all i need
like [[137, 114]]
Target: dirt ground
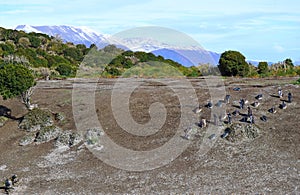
[[269, 164]]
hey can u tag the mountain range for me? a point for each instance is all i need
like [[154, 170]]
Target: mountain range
[[82, 35], [76, 35], [187, 56]]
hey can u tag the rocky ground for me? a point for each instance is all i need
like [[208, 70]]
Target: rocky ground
[[57, 158]]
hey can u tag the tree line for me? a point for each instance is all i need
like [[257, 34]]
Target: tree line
[[233, 63]]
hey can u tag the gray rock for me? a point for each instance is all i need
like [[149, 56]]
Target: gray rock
[[3, 120], [92, 136], [242, 132], [47, 134], [59, 117], [36, 119], [68, 138], [28, 139]]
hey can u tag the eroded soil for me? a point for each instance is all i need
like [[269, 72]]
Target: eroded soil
[[268, 164]]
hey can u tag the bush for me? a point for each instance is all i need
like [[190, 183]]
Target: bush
[[66, 69], [297, 82], [14, 80]]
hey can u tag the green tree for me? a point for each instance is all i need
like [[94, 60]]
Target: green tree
[[233, 63], [289, 62], [15, 79], [263, 68]]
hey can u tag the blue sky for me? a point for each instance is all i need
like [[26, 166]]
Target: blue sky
[[259, 29]]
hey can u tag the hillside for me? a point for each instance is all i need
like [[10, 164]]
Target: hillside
[[37, 50], [139, 63], [50, 56]]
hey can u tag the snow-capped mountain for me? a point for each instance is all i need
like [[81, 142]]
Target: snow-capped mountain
[[76, 35], [185, 55]]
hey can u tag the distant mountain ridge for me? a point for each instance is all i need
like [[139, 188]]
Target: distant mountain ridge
[[76, 35], [82, 35], [189, 57]]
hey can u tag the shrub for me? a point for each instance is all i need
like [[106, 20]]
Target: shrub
[[66, 69]]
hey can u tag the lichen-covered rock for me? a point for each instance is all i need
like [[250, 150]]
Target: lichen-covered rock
[[68, 138], [92, 136], [242, 132], [47, 134], [3, 120], [36, 119], [59, 117], [28, 139]]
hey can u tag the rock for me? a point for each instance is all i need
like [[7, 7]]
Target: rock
[[59, 117], [3, 168], [68, 138], [3, 120], [251, 131], [92, 136], [28, 139], [36, 119], [242, 132], [47, 134], [212, 136]]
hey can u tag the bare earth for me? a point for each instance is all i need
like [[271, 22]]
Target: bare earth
[[269, 164]]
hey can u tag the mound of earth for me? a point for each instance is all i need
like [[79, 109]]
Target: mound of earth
[[239, 132]]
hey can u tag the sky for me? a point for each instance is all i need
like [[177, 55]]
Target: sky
[[264, 30]]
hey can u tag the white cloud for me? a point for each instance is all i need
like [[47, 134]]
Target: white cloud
[[217, 24]]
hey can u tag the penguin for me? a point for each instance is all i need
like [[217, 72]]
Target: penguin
[[227, 98], [255, 104], [259, 97], [209, 105], [283, 105], [272, 110], [264, 118], [219, 103], [289, 97], [280, 94], [226, 133]]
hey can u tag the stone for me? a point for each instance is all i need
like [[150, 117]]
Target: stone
[[28, 139], [68, 138], [36, 119], [242, 132], [59, 117], [93, 135], [47, 134]]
